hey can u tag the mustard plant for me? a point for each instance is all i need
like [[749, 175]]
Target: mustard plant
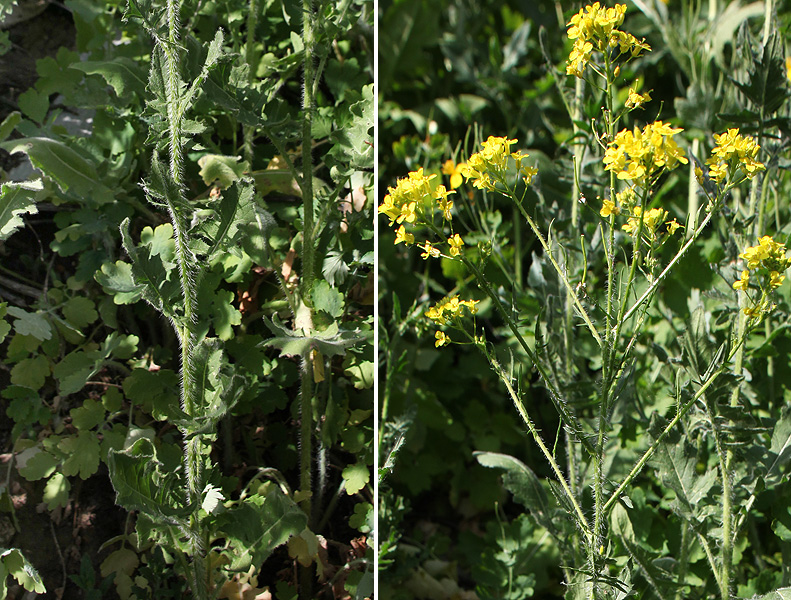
[[599, 277]]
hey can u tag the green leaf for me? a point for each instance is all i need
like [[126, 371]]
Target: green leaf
[[235, 210], [225, 170], [780, 449], [362, 374], [18, 566], [355, 478], [212, 499], [9, 124], [142, 482], [160, 241], [334, 268], [363, 518], [156, 392], [224, 314], [80, 311], [330, 342], [767, 86], [779, 594], [83, 452], [89, 415], [677, 470], [31, 372], [5, 326], [69, 169], [34, 324], [258, 525], [328, 299], [34, 104], [122, 73], [76, 368], [522, 482], [353, 143], [152, 273], [116, 279], [17, 199], [35, 463], [255, 235], [56, 492]]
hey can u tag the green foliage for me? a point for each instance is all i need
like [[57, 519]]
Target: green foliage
[[161, 339], [646, 455]]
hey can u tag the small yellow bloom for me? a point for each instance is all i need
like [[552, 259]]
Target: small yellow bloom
[[472, 305], [455, 243], [442, 339], [673, 226], [788, 68], [776, 279], [528, 173], [429, 251], [608, 208], [403, 236], [445, 205], [388, 208], [455, 172], [636, 100], [743, 283]]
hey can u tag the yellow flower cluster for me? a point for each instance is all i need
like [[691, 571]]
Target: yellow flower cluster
[[491, 163], [733, 152], [768, 261], [451, 308], [446, 311], [410, 199], [595, 28], [653, 219], [637, 155], [410, 194]]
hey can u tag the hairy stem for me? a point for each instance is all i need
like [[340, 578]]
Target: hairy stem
[[306, 285]]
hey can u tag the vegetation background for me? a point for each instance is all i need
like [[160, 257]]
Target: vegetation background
[[89, 368], [451, 75]]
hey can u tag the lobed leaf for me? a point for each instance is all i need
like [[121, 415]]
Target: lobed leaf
[[64, 165]]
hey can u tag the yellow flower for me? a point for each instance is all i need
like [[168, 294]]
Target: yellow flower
[[776, 279], [454, 170], [442, 339], [788, 68], [652, 219], [608, 208], [528, 173], [579, 57], [734, 152], [472, 305], [673, 226], [403, 236], [636, 100], [445, 205], [596, 27], [403, 201], [455, 243], [429, 251], [450, 308], [639, 154], [744, 282], [388, 208]]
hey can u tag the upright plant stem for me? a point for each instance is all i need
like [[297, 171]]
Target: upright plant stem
[[308, 242], [252, 65], [192, 447]]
